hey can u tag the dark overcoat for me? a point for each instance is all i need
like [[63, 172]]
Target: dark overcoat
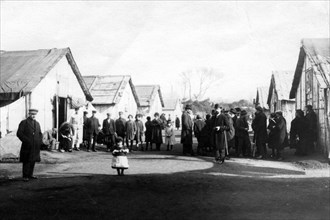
[[131, 129], [109, 127], [93, 125], [148, 132], [281, 124], [85, 136], [218, 138], [29, 133], [120, 126], [311, 117], [177, 122], [259, 126], [187, 129], [273, 137], [156, 134]]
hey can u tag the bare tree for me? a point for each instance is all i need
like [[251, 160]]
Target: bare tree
[[199, 81]]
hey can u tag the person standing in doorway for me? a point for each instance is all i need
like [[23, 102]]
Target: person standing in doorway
[[77, 123], [187, 131], [29, 133], [109, 131], [93, 127]]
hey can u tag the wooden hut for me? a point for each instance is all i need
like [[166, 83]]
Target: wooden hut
[[48, 80], [151, 99], [113, 93], [278, 95], [311, 85]]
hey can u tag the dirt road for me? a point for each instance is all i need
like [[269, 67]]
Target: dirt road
[[164, 185]]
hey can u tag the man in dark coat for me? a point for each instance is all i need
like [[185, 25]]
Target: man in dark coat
[[93, 126], [242, 128], [85, 122], [177, 122], [148, 133], [220, 125], [29, 133], [200, 133], [109, 131], [120, 126], [156, 134], [237, 112], [312, 129], [259, 126], [208, 130], [299, 133], [187, 130]]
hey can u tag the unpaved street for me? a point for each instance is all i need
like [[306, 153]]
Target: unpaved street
[[165, 185]]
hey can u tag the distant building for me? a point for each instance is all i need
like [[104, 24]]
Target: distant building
[[151, 100], [48, 80], [311, 85], [173, 108], [278, 95], [113, 93]]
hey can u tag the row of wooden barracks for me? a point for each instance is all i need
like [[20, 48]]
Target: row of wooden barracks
[[308, 84], [50, 81]]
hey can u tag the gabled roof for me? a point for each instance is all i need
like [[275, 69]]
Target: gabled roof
[[281, 83], [22, 71], [261, 98], [108, 89], [318, 52], [147, 94], [170, 104]]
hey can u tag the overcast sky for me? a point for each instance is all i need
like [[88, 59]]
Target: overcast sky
[[156, 41]]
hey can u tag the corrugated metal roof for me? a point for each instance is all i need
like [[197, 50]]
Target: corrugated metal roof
[[318, 52], [262, 95], [109, 89], [22, 71], [147, 94], [281, 83]]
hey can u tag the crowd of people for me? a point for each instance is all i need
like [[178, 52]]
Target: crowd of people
[[223, 130], [219, 132]]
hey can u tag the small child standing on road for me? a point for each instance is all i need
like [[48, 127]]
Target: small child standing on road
[[169, 135], [119, 160]]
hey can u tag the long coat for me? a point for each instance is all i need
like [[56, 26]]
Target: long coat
[[177, 122], [85, 136], [120, 127], [148, 132], [312, 121], [156, 135], [131, 129], [169, 135], [187, 129], [281, 123], [273, 137], [259, 126], [93, 125], [29, 133], [218, 138], [109, 127], [139, 130]]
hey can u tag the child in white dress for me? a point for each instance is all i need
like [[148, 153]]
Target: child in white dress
[[119, 160], [169, 135]]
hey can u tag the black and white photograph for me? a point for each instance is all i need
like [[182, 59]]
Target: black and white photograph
[[165, 109]]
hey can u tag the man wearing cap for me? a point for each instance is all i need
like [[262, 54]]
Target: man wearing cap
[[29, 133], [259, 126], [187, 130], [109, 130], [77, 123], [93, 126], [120, 125]]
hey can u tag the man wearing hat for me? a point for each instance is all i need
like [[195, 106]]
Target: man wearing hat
[[93, 126], [29, 133], [76, 120], [242, 128], [187, 130], [259, 126], [109, 130]]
